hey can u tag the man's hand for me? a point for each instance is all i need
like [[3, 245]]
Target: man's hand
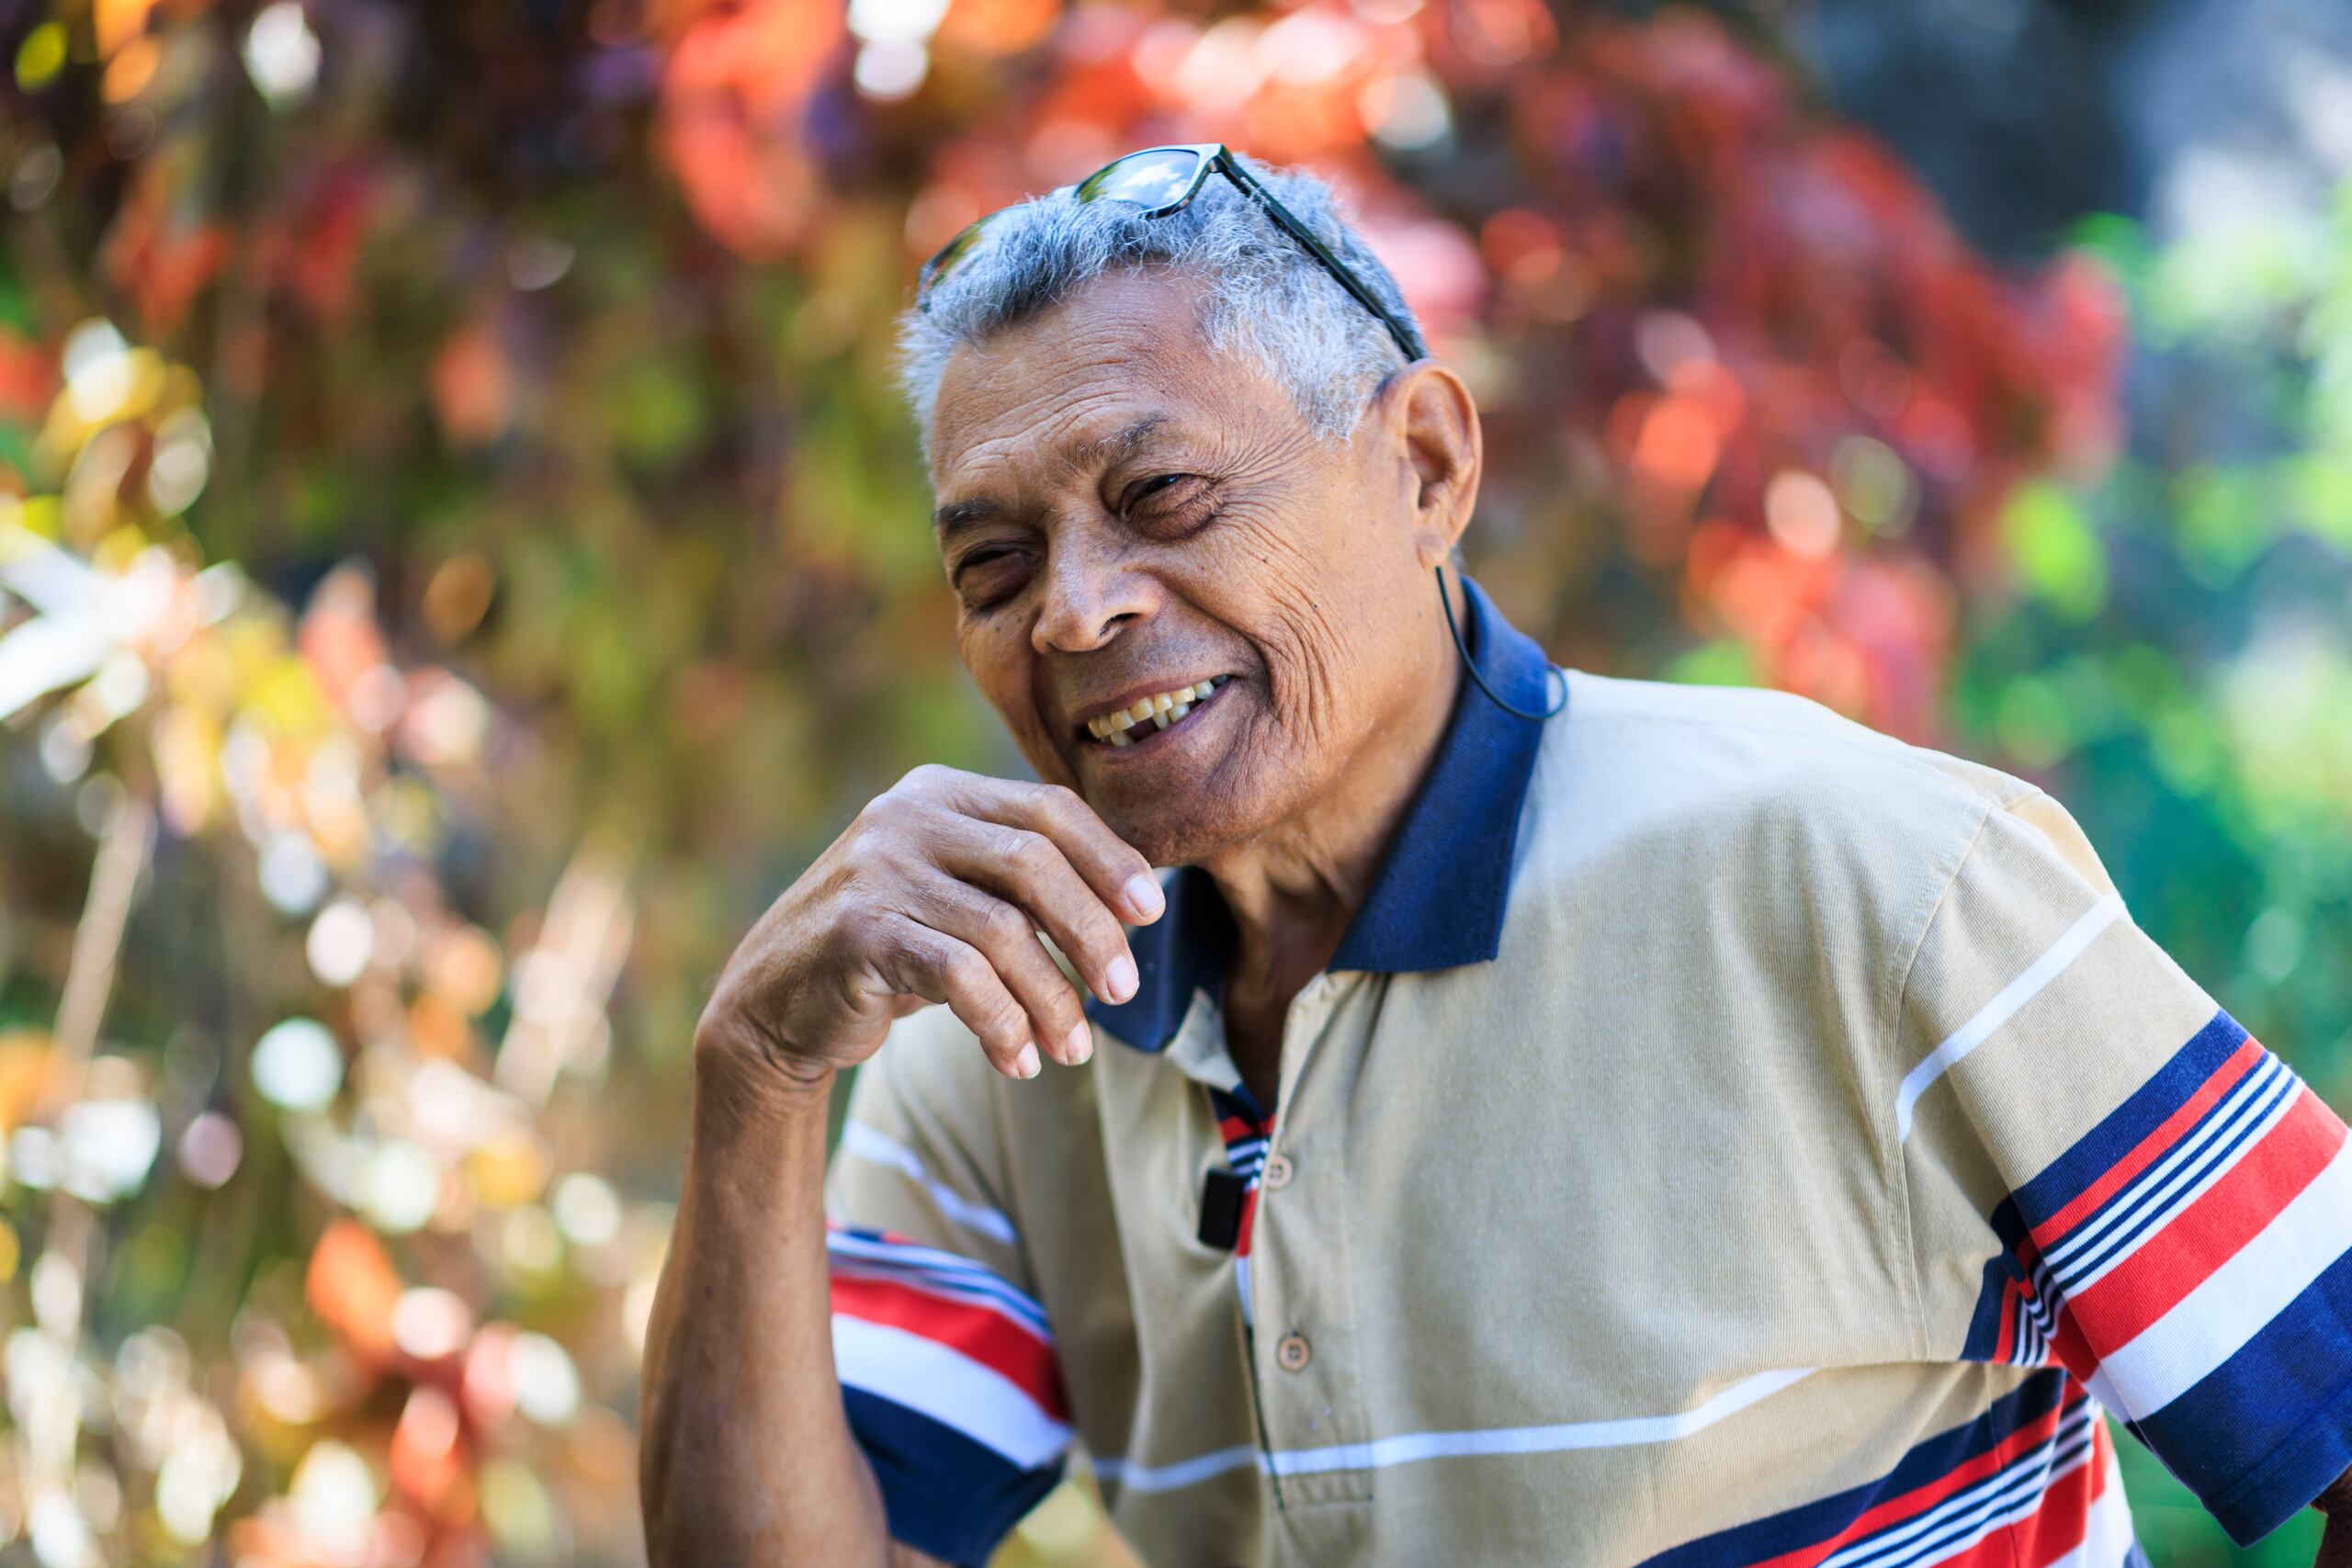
[[936, 893], [2335, 1544]]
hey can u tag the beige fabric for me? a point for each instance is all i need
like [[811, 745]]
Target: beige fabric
[[1631, 1197]]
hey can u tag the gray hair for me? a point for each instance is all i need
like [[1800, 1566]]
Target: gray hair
[[1265, 296]]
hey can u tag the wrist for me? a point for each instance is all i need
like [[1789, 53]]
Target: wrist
[[750, 1138], [749, 1074]]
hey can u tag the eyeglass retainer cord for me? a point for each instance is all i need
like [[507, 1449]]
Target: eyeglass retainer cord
[[1472, 665]]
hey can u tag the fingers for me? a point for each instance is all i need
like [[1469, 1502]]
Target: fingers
[[1114, 870], [1026, 868], [923, 961], [971, 868], [1006, 935]]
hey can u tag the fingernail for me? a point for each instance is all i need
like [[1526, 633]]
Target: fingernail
[[1027, 1060], [1122, 978], [1079, 1045], [1144, 895]]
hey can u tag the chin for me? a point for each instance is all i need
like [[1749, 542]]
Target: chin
[[1167, 841], [1192, 793], [1164, 820], [1180, 826]]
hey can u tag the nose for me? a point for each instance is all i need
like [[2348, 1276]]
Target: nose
[[1090, 596]]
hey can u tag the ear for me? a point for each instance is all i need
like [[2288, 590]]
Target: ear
[[1433, 426]]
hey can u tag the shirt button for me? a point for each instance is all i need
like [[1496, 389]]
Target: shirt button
[[1292, 1354], [1278, 1172]]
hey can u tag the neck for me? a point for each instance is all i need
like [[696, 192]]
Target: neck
[[1293, 890]]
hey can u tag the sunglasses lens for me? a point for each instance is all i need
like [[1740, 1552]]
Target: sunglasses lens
[[951, 255], [1161, 177], [1148, 179]]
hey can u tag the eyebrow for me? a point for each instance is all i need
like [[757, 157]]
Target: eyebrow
[[1118, 444], [959, 515]]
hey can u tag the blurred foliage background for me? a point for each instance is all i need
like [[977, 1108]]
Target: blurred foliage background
[[460, 555]]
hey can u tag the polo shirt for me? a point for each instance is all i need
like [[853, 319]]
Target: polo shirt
[[1726, 1135]]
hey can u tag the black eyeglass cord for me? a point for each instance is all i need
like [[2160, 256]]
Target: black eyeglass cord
[[1472, 665]]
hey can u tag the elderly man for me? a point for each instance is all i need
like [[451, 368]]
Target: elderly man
[[1540, 1119]]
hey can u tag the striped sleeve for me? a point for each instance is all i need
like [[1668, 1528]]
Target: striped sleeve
[[2107, 1174], [945, 1359]]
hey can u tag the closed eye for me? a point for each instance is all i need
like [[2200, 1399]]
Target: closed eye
[[988, 577], [1169, 506], [1145, 488]]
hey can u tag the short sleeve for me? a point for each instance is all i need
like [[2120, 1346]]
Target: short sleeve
[[2105, 1171], [945, 1359]]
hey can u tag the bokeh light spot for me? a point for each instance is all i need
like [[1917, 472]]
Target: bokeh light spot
[[1801, 512], [281, 53], [210, 1149], [298, 1065]]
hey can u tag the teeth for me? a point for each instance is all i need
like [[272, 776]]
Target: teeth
[[1109, 725], [1163, 708]]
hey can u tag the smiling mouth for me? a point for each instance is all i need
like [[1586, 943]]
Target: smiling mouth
[[1147, 716]]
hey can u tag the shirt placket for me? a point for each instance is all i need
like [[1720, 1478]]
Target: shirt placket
[[1309, 1400]]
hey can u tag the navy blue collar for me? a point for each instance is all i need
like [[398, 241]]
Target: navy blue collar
[[1437, 900]]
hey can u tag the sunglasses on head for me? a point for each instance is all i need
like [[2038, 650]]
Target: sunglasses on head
[[1164, 180]]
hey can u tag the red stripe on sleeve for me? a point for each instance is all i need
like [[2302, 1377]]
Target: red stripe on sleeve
[[2181, 1254], [2150, 1149], [2067, 1346], [2012, 1293], [978, 1332]]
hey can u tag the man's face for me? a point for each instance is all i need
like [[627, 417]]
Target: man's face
[[1125, 513]]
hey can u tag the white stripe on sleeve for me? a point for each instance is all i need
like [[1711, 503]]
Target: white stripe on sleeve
[[2003, 1007], [935, 1379], [877, 1149], [2236, 1300]]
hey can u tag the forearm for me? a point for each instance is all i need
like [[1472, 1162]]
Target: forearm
[[746, 1456]]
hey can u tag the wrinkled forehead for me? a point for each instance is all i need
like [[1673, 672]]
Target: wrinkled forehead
[[1122, 361]]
